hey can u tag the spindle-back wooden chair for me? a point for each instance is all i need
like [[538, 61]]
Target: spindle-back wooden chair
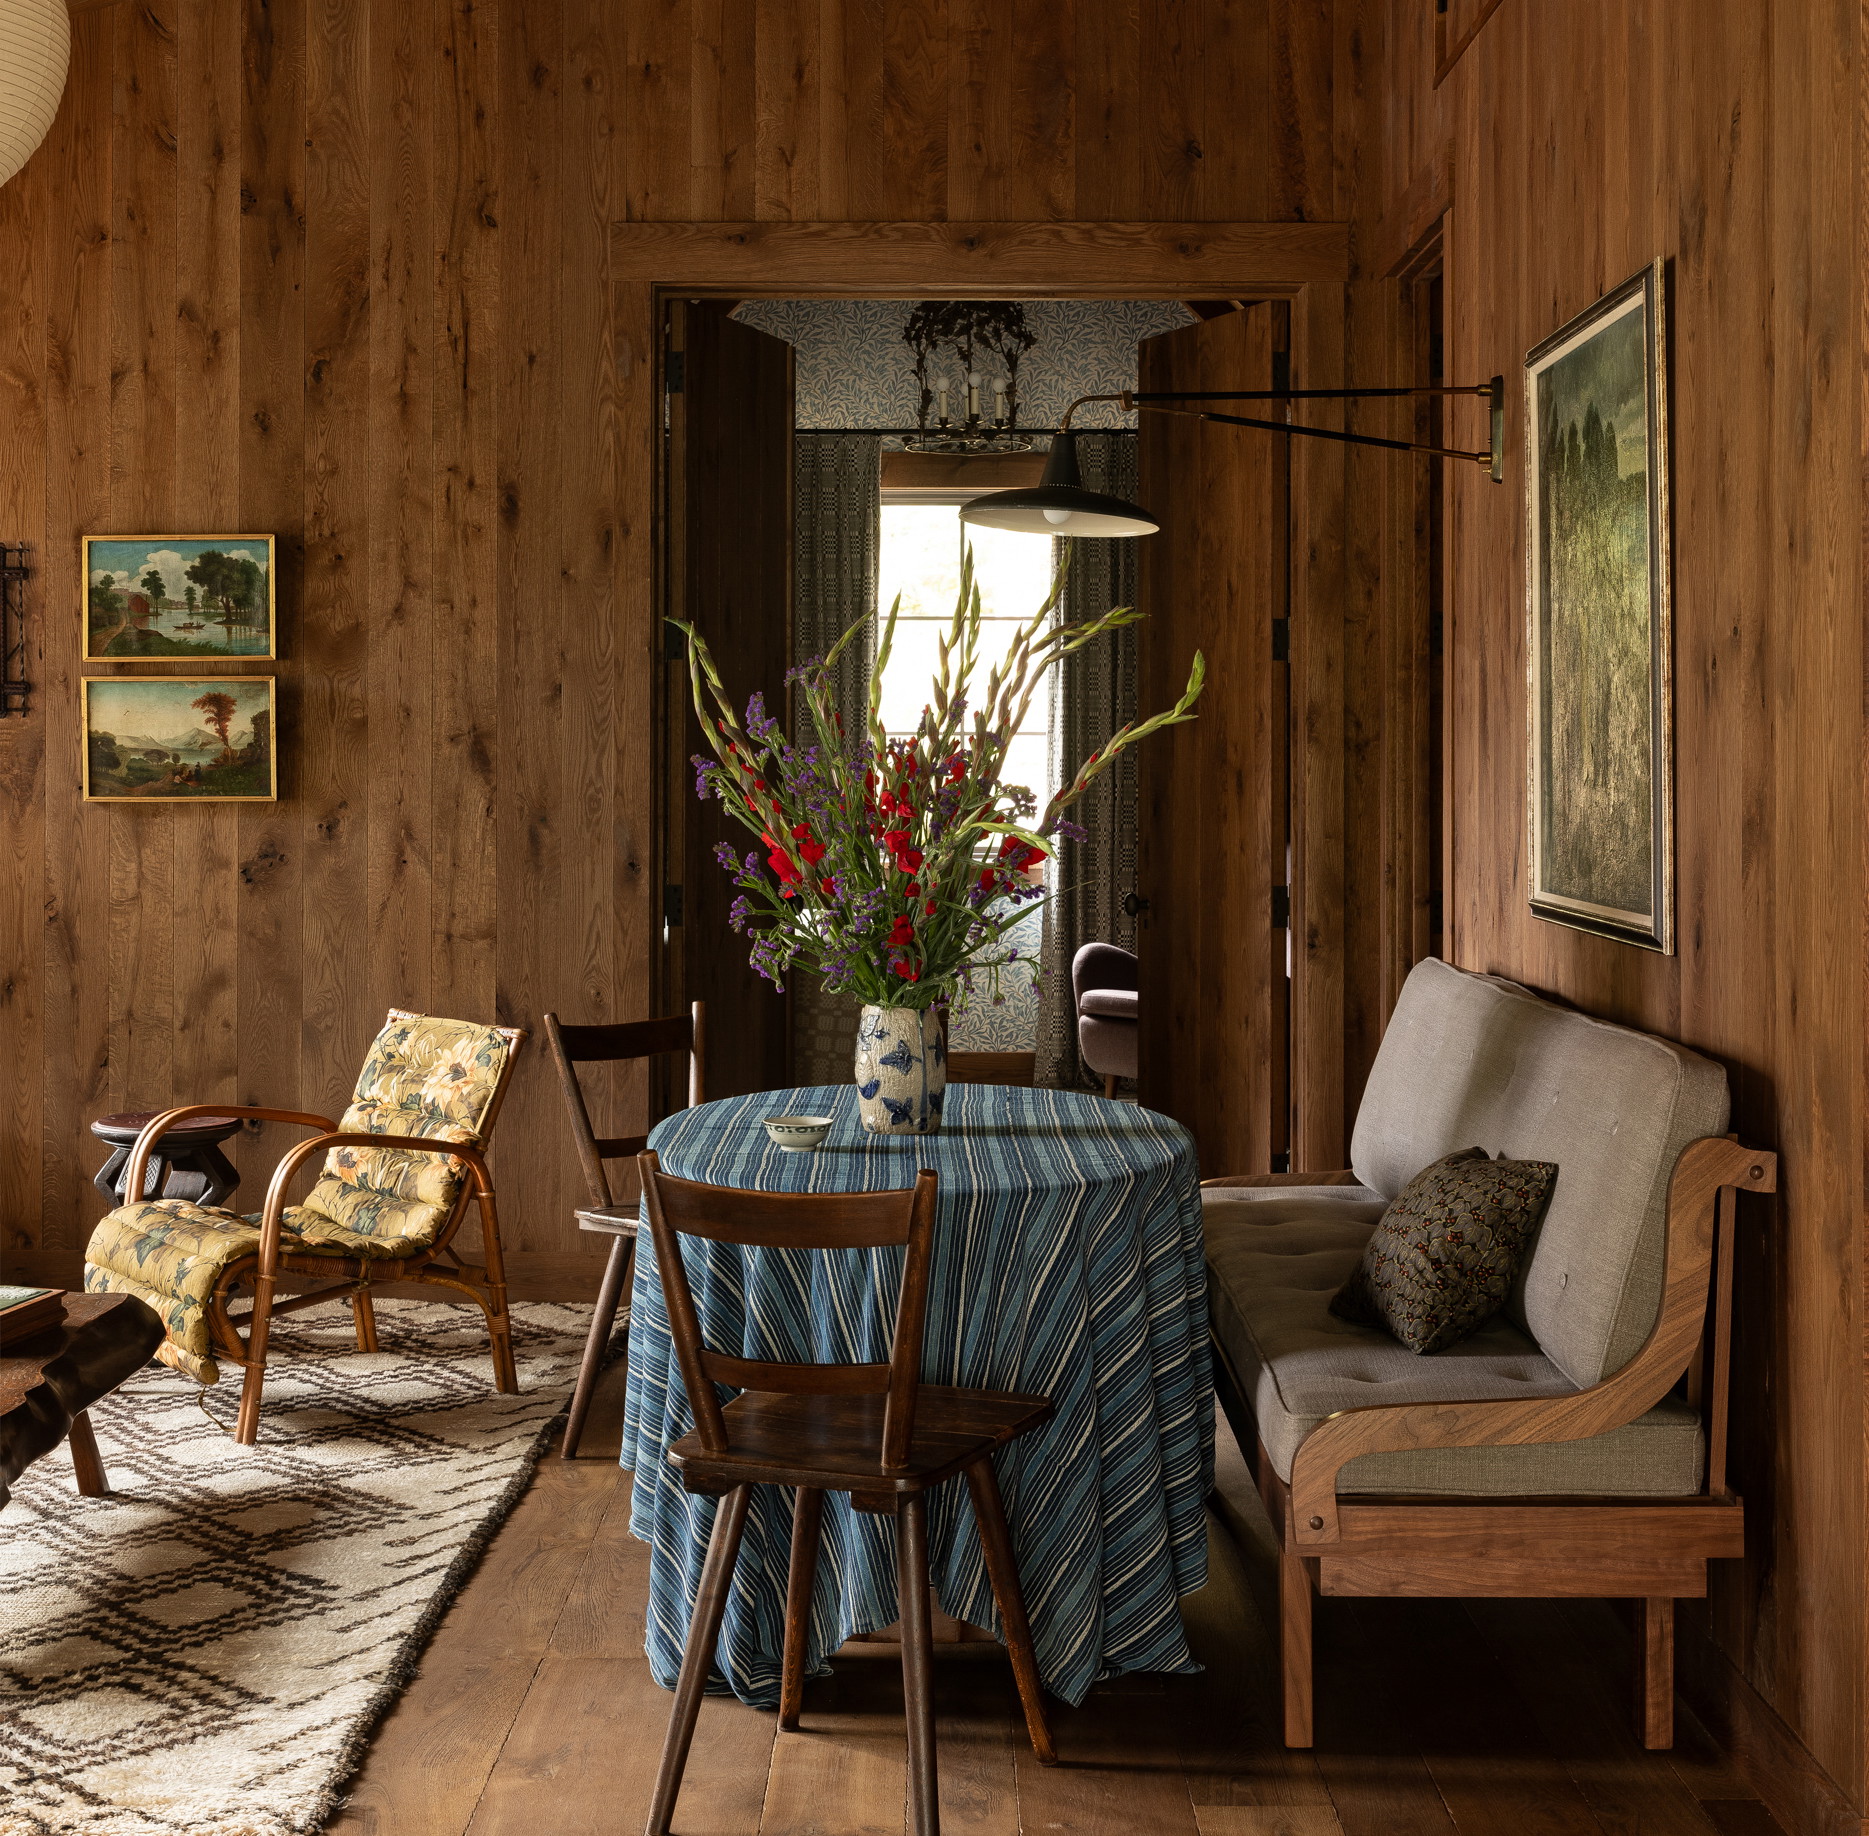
[[613, 1044], [875, 1431]]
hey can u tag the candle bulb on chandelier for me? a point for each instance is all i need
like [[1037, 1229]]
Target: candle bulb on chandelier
[[973, 395], [943, 401], [999, 401]]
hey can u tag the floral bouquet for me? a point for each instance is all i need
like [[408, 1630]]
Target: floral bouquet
[[896, 867]]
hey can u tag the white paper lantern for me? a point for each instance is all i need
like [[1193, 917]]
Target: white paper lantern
[[35, 48]]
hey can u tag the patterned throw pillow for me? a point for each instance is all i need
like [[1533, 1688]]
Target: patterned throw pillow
[[1447, 1251]]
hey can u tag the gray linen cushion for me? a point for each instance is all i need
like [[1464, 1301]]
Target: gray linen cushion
[[1109, 1003], [1443, 1257], [1274, 1262], [1471, 1058]]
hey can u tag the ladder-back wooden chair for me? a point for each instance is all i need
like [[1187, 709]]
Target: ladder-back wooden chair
[[613, 1044], [875, 1431], [377, 1213]]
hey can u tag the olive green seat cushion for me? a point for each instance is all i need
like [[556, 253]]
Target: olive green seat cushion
[[423, 1076]]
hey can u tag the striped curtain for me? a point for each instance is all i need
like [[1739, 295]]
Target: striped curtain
[[837, 529], [1094, 693]]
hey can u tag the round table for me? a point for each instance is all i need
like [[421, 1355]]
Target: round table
[[1067, 1262]]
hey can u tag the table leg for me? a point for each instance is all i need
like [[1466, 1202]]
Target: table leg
[[85, 1460]]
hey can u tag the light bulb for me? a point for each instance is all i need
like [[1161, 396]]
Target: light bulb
[[1057, 518]]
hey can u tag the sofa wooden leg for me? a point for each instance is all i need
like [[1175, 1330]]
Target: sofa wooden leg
[[1294, 1644], [1109, 1088], [1655, 1689]]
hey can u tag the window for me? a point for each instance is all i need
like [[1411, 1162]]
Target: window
[[920, 558]]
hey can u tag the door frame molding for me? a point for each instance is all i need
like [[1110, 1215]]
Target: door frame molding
[[1307, 263]]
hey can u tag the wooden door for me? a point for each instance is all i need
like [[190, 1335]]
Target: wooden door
[[728, 525], [1213, 845]]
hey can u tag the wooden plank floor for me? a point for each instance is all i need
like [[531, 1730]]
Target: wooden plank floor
[[534, 1715]]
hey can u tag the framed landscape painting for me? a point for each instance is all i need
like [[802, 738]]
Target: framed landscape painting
[[1599, 644], [185, 598], [168, 739]]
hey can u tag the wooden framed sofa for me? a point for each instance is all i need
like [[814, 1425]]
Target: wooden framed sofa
[[1576, 1444]]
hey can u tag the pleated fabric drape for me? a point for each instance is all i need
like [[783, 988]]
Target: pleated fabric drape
[[1094, 693], [837, 529]]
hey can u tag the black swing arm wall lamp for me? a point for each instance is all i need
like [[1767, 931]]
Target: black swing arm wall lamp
[[1060, 506]]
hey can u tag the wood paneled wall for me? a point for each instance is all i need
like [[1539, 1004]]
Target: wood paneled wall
[[1577, 143], [337, 269]]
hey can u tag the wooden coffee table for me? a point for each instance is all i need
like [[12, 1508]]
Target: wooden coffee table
[[49, 1379]]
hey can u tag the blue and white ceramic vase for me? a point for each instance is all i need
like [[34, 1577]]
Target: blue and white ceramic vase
[[901, 1070]]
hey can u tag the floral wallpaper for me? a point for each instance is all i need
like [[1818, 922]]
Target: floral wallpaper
[[853, 368]]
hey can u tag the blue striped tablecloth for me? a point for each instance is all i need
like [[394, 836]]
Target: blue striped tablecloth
[[1067, 1263]]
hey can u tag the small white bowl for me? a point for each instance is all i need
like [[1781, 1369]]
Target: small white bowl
[[798, 1134]]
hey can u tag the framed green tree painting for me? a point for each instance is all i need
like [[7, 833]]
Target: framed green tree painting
[[1600, 630]]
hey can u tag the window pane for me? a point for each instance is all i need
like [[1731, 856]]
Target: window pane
[[920, 559], [1014, 571], [909, 680], [1025, 764]]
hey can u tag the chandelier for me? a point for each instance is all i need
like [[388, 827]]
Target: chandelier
[[962, 351]]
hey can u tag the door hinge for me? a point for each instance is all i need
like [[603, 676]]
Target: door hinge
[[1281, 1161], [671, 906], [1281, 908], [674, 372], [1281, 640]]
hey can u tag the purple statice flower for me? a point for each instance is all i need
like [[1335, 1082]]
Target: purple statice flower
[[759, 723], [705, 772], [801, 670], [729, 861], [740, 912], [1067, 830]]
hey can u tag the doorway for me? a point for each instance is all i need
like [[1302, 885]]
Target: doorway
[[1301, 268]]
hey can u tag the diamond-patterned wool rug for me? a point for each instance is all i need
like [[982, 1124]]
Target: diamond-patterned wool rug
[[207, 1651]]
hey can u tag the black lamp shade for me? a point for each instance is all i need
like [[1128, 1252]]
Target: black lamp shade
[[1059, 505]]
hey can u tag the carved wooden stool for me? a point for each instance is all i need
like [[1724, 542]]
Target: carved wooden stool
[[187, 1163]]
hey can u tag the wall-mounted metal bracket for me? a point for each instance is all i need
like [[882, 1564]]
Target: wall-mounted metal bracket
[[14, 688]]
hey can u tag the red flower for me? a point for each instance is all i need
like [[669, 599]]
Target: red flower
[[986, 876], [903, 930], [800, 830], [812, 851], [887, 801], [827, 889], [913, 889], [929, 912], [908, 859], [893, 839]]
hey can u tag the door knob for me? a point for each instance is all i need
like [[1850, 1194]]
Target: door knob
[[1132, 905]]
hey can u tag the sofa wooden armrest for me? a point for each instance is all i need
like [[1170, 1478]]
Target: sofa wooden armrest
[[1703, 1170]]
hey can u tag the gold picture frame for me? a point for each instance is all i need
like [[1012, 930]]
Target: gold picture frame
[[180, 739], [160, 599]]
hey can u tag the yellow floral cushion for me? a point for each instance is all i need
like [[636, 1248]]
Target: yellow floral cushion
[[170, 1254], [423, 1076]]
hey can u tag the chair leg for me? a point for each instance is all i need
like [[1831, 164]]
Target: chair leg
[[1655, 1695], [917, 1662], [247, 1428], [85, 1460], [1294, 1639], [1002, 1569], [1109, 1088], [499, 1321], [807, 1517], [703, 1633], [609, 1294], [365, 1309]]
